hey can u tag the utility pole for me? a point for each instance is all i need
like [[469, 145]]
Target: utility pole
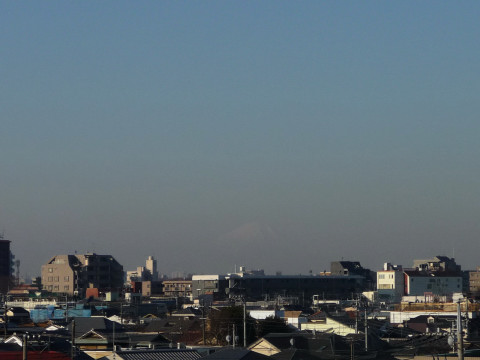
[[356, 315], [25, 346], [233, 337], [459, 332], [113, 344], [366, 329], [467, 334], [66, 308], [73, 340], [352, 349], [5, 317], [203, 319], [244, 324]]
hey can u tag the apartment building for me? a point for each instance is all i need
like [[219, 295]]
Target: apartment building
[[474, 282], [177, 288], [73, 274], [418, 283]]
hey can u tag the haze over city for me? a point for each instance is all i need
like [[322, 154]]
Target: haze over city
[[273, 134]]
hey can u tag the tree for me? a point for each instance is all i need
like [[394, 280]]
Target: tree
[[272, 325], [222, 322]]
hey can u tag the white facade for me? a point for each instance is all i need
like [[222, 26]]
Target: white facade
[[296, 321], [398, 317], [390, 285], [151, 265], [262, 314], [330, 325]]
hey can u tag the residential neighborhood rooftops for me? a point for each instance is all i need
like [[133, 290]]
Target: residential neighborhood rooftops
[[162, 354], [236, 354]]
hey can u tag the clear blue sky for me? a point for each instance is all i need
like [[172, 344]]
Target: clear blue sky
[[347, 129]]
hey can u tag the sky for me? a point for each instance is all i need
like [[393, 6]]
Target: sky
[[273, 134]]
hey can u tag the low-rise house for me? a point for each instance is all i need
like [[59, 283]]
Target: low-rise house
[[319, 344], [406, 311], [39, 347], [262, 314], [236, 354], [176, 330], [340, 324], [429, 324], [293, 318], [18, 315], [163, 354], [188, 313]]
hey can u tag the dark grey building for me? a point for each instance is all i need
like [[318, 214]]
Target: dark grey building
[[261, 287], [349, 268], [5, 265]]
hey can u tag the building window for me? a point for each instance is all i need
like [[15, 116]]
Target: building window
[[50, 270], [55, 288], [56, 278], [66, 288]]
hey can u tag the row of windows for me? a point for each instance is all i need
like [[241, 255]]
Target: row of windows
[[57, 288], [385, 286], [57, 278], [382, 276]]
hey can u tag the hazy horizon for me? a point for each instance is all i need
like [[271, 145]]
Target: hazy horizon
[[278, 135]]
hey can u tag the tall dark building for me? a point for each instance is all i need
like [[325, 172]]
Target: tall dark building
[[5, 265]]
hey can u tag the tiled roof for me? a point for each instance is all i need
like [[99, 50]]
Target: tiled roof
[[168, 354], [85, 324], [236, 354], [319, 315], [297, 354], [187, 312], [306, 341]]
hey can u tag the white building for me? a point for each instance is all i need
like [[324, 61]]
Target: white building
[[390, 283], [151, 266]]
